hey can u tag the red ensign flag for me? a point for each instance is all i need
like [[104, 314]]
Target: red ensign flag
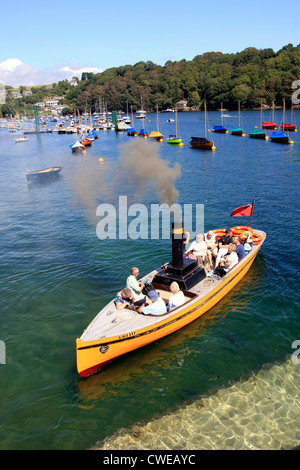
[[242, 211]]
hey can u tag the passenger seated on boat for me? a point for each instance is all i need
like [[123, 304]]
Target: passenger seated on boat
[[177, 298], [135, 285], [157, 307], [198, 250], [211, 241], [186, 237], [228, 262], [124, 298], [247, 247], [240, 249], [224, 242], [248, 238]]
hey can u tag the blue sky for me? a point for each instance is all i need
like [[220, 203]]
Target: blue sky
[[57, 41]]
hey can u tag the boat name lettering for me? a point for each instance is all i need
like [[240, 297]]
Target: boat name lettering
[[127, 335]]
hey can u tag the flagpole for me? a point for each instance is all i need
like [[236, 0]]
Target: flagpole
[[252, 212]]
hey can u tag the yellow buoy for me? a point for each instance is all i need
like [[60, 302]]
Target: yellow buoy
[[243, 135], [83, 151], [181, 144], [267, 137], [100, 160], [213, 148], [291, 142], [226, 132]]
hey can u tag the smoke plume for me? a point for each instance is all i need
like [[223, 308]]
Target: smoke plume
[[139, 170]]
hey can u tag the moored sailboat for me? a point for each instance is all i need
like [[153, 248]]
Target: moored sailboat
[[280, 137], [131, 131], [175, 139], [258, 133], [289, 126], [142, 116], [220, 129], [203, 142], [237, 130], [270, 124], [78, 145], [156, 134]]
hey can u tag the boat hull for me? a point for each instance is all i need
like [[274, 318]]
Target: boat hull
[[86, 143], [279, 137], [174, 141], [257, 135], [43, 174], [288, 127], [201, 143], [236, 131], [157, 136], [93, 355], [280, 140], [219, 130], [269, 125]]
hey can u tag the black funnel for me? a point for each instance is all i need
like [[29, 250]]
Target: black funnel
[[184, 271]]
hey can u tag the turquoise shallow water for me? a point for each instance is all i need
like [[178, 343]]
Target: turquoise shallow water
[[56, 275]]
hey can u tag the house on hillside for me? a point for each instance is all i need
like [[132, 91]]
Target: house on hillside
[[182, 105], [15, 94]]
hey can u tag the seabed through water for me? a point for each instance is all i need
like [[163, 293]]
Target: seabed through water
[[260, 412]]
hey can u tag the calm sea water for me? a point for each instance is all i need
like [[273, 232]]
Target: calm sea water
[[56, 275]]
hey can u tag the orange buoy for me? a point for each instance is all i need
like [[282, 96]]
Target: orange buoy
[[257, 239]]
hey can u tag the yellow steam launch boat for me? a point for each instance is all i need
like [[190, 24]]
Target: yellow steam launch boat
[[114, 332]]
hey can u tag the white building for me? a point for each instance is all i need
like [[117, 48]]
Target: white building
[[52, 102]]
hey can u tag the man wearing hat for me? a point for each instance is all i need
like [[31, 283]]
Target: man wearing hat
[[157, 307]]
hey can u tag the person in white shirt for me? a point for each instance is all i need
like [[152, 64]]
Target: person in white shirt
[[211, 241], [228, 262], [135, 285], [198, 248], [177, 298]]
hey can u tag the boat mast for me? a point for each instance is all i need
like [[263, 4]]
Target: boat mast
[[131, 116], [260, 114], [222, 112], [239, 108], [76, 125], [142, 112], [205, 118], [251, 213], [80, 125]]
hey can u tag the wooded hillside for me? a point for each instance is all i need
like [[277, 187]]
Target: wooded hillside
[[248, 76]]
